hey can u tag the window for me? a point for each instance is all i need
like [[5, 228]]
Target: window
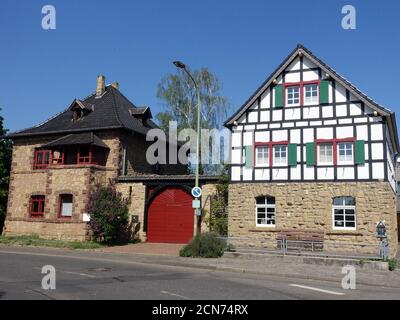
[[344, 213], [311, 93], [293, 96], [84, 155], [41, 159], [57, 157], [265, 211], [36, 206], [66, 206], [325, 153], [280, 154], [345, 152], [262, 158]]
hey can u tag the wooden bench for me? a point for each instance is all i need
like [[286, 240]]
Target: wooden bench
[[298, 239]]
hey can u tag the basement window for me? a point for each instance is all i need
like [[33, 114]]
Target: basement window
[[36, 206], [344, 213]]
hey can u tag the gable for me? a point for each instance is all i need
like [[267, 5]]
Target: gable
[[302, 66]]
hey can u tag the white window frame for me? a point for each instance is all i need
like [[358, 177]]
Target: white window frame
[[320, 161], [344, 207], [287, 96], [266, 206], [275, 163], [338, 153], [266, 159], [69, 206], [313, 99]]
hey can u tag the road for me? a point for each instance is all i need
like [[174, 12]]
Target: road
[[94, 276]]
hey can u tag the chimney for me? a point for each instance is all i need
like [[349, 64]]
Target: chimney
[[115, 85], [101, 85]]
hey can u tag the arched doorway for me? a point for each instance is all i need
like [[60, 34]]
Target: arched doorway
[[170, 216]]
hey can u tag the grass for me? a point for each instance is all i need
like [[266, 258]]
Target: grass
[[35, 241]]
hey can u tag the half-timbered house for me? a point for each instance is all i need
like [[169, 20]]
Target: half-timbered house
[[311, 153]]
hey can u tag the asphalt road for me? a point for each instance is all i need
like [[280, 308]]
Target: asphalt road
[[80, 276]]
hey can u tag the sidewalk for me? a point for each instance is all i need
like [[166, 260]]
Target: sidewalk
[[167, 249], [281, 266]]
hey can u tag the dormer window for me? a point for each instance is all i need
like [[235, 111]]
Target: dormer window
[[80, 109], [78, 114]]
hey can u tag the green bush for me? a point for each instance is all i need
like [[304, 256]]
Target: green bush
[[109, 215], [392, 264], [204, 245]]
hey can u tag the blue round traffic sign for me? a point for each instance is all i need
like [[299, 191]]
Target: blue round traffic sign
[[196, 192]]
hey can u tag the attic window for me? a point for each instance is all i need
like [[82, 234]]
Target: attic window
[[80, 109], [78, 114]]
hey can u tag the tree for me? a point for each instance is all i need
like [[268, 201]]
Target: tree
[[109, 220], [5, 165], [179, 96]]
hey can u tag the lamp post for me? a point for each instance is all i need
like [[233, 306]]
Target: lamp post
[[181, 65]]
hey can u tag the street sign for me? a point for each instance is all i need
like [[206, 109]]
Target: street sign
[[196, 204], [196, 192], [197, 212]]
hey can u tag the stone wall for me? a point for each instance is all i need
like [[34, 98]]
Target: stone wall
[[52, 182], [308, 206], [208, 191], [135, 193]]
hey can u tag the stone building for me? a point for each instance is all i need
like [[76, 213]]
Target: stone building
[[312, 156], [96, 140]]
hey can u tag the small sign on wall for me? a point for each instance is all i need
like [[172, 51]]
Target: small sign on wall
[[135, 218], [86, 217]]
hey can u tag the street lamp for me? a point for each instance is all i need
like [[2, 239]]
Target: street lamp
[[181, 65]]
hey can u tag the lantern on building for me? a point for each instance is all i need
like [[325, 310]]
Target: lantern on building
[[381, 230]]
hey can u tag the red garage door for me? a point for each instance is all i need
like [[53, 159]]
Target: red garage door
[[170, 217]]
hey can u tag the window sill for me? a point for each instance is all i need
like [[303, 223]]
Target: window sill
[[344, 233], [264, 229]]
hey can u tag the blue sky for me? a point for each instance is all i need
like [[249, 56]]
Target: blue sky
[[134, 42]]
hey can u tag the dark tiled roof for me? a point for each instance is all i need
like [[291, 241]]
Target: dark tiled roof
[[77, 139], [109, 111]]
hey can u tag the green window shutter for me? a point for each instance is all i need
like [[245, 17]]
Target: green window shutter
[[249, 157], [359, 147], [279, 96], [292, 151], [324, 91], [310, 153]]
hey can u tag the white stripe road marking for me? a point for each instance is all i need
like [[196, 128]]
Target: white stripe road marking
[[80, 274], [317, 289], [174, 294], [71, 272]]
